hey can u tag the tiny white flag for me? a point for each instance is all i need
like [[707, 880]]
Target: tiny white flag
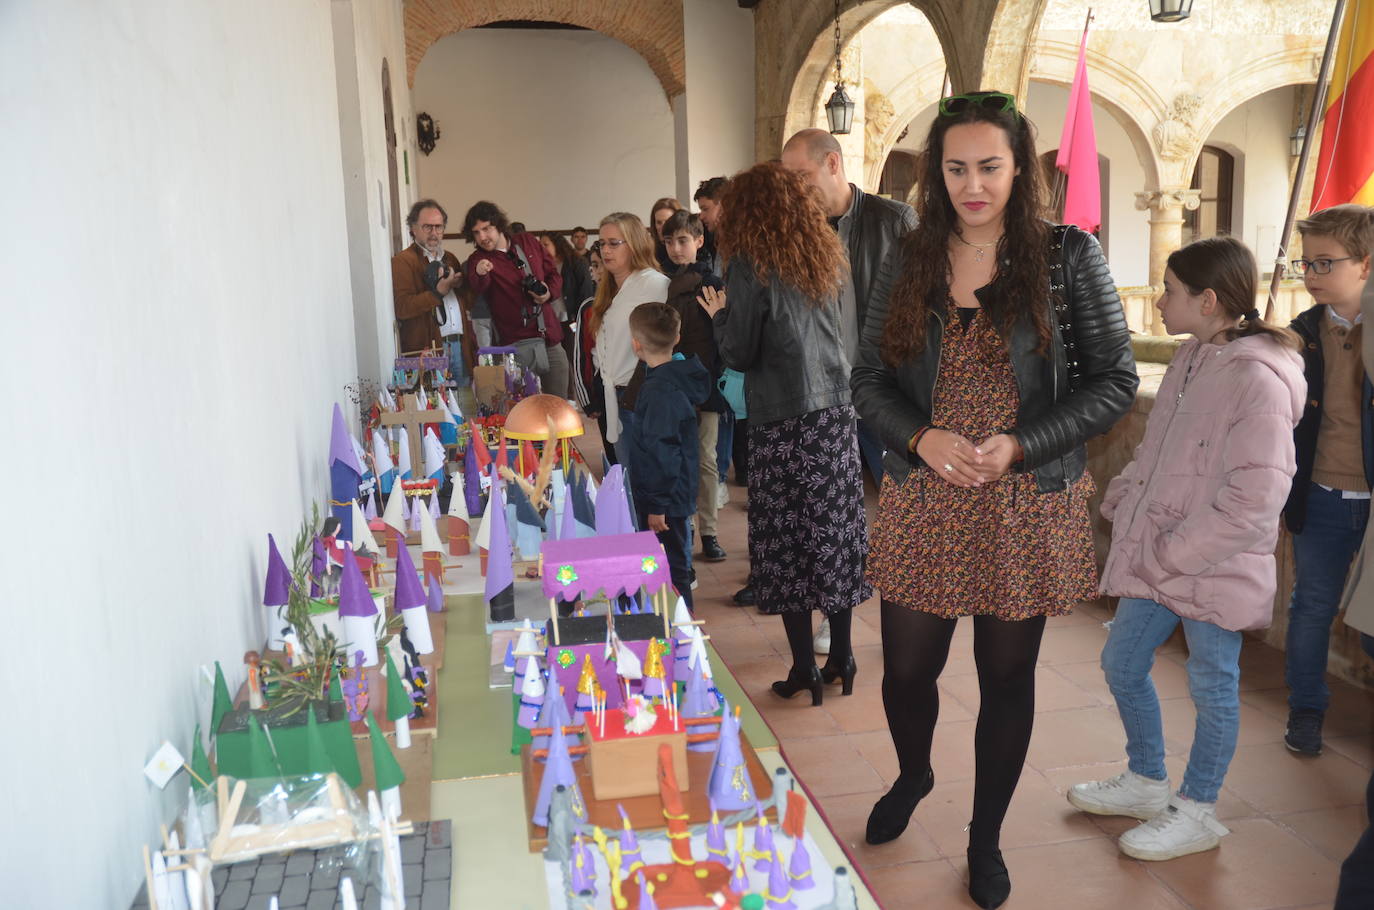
[[166, 761]]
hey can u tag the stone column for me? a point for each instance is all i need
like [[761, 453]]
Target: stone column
[[1166, 208]]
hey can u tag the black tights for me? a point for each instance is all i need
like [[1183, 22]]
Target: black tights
[[915, 646], [798, 626]]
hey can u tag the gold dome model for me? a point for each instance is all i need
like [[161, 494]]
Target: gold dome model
[[532, 416]]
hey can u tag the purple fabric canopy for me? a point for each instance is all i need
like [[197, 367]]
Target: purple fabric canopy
[[579, 567]]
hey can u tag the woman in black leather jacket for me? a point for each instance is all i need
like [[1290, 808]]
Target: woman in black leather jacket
[[994, 347], [782, 329]]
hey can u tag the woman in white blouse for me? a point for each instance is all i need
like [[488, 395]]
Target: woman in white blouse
[[632, 278]]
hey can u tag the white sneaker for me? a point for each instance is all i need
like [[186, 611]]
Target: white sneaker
[[722, 495], [1126, 794], [1183, 827], [821, 643]]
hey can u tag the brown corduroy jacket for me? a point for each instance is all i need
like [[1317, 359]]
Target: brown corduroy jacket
[[415, 302]]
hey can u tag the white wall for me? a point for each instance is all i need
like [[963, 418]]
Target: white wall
[[719, 43], [1128, 229], [557, 127], [174, 305], [1256, 133], [366, 32]]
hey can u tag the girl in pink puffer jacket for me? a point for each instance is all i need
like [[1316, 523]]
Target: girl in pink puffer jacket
[[1195, 521]]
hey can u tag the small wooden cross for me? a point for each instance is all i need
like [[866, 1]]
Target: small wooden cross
[[414, 420]]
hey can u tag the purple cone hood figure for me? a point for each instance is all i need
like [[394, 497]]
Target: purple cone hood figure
[[276, 591], [408, 591]]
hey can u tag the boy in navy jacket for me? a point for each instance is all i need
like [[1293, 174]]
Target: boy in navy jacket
[[664, 441]]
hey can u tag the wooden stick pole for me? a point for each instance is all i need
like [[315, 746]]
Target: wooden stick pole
[[553, 620], [1318, 103]]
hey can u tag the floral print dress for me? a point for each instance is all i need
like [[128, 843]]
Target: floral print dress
[[1003, 549], [808, 533]]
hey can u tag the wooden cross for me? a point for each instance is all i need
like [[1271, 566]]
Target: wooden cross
[[414, 420]]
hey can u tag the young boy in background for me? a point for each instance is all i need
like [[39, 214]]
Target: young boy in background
[[664, 441], [1328, 508], [683, 236]]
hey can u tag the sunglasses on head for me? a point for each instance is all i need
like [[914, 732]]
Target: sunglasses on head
[[995, 101]]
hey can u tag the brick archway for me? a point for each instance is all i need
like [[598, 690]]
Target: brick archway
[[653, 28]]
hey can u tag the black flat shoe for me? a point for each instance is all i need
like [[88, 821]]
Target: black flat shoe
[[711, 550], [892, 813], [745, 597], [795, 682], [843, 674], [988, 882]]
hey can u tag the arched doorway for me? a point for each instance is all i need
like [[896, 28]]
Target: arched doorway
[[389, 122]]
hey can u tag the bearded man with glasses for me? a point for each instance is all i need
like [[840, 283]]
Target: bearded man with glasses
[[425, 281]]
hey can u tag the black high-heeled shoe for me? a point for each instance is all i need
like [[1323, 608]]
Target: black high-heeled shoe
[[989, 884], [892, 813], [795, 682], [843, 674]]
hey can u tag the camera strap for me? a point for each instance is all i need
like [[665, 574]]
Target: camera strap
[[525, 264]]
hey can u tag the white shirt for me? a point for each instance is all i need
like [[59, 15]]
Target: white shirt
[[613, 355]]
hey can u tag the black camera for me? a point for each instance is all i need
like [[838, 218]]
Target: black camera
[[533, 286], [528, 283], [436, 272]]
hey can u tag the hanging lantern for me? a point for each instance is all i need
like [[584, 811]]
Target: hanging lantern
[[1170, 10], [1296, 140], [839, 110]]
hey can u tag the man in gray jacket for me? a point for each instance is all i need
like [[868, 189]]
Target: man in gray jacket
[[870, 228]]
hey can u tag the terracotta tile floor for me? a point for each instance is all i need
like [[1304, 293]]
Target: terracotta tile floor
[[1293, 820]]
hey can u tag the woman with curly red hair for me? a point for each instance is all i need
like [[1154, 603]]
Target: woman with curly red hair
[[778, 321], [993, 348]]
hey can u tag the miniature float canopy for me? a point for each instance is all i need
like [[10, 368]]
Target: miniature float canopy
[[618, 564], [531, 418]]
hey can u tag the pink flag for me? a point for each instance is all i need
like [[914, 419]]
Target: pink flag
[[1077, 157]]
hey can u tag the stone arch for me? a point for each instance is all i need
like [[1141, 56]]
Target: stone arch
[[1122, 92], [653, 28], [910, 100], [812, 72], [982, 42], [1296, 65]]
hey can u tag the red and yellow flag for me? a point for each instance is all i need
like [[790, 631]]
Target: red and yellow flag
[[1345, 166]]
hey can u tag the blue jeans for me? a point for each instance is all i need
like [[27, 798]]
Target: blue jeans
[[1140, 627], [1322, 553]]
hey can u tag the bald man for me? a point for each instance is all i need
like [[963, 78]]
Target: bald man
[[869, 227]]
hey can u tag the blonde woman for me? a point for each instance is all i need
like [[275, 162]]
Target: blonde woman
[[631, 278]]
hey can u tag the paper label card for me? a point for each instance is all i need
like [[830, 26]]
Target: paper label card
[[166, 762]]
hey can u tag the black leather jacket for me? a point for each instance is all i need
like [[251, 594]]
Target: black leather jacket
[[790, 350], [878, 225], [1052, 423]]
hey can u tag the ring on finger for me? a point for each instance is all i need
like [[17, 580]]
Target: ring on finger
[[949, 468]]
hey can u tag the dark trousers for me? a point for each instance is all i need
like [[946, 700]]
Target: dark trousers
[[1356, 887], [677, 544]]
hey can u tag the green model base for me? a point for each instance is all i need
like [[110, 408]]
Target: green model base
[[288, 736]]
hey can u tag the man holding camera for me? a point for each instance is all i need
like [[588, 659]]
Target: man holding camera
[[518, 280], [424, 283]]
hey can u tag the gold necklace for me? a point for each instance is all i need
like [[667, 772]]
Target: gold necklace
[[978, 247]]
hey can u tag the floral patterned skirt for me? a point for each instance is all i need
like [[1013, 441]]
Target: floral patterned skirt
[[808, 534], [1004, 549]]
